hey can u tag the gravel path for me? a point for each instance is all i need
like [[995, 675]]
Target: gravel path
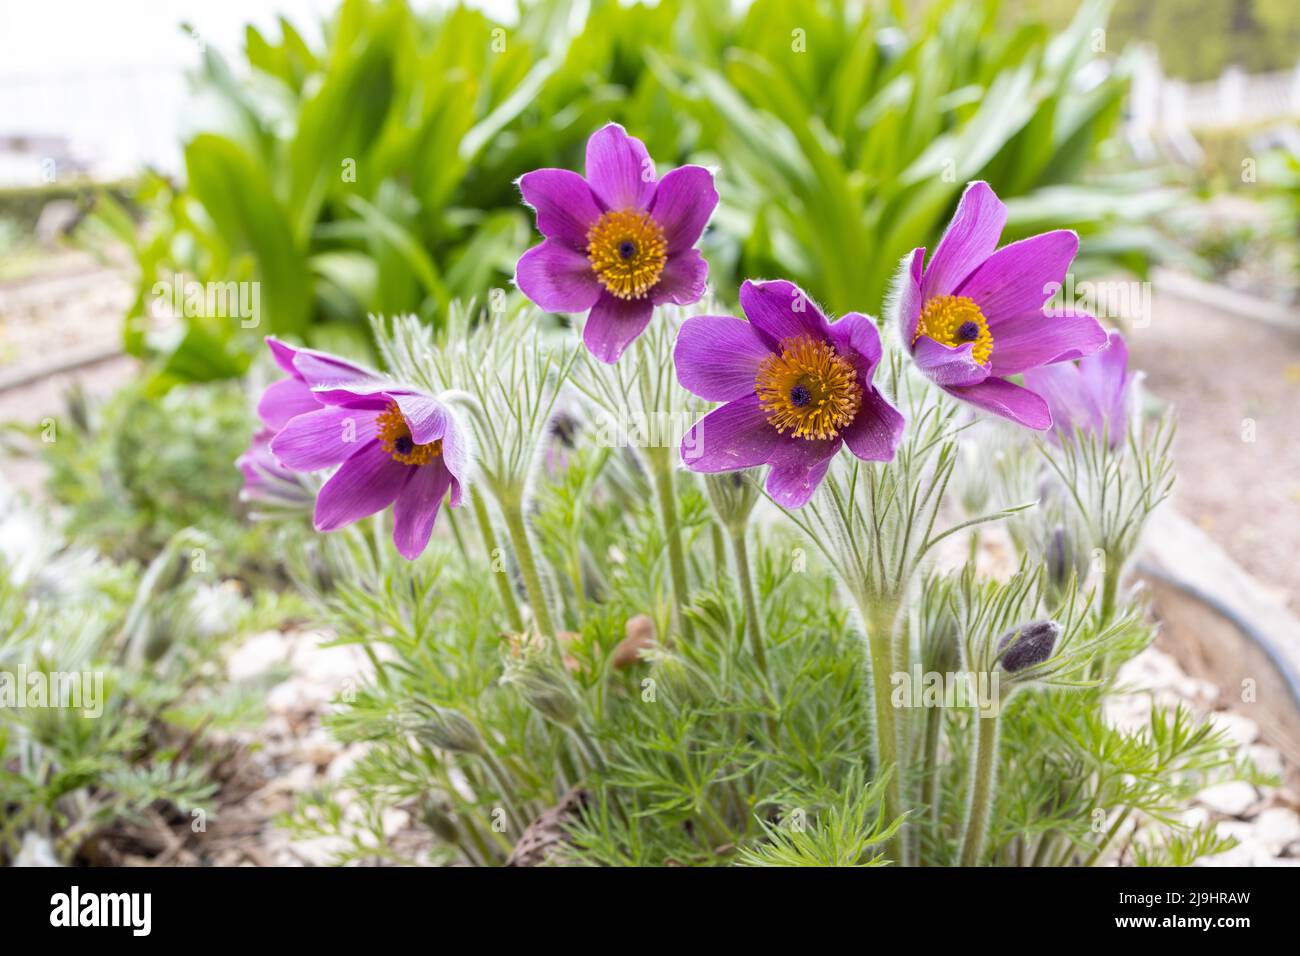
[[1236, 387]]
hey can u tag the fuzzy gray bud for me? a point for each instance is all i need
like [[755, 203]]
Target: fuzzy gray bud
[[545, 687], [445, 729], [1028, 645]]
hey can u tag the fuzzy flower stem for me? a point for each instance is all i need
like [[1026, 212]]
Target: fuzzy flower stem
[[930, 786], [661, 465], [506, 592], [517, 527], [877, 618], [983, 770], [753, 623], [507, 786]]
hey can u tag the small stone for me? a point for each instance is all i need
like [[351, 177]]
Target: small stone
[[1276, 828], [1266, 759], [640, 632], [1242, 731], [257, 655], [1231, 799]]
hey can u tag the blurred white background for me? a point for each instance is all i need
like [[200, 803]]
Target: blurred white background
[[99, 85]]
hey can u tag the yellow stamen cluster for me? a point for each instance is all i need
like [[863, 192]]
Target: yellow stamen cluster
[[954, 320], [809, 389], [627, 250], [395, 438]]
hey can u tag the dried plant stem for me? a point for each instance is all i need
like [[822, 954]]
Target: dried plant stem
[[661, 467], [502, 577], [983, 770]]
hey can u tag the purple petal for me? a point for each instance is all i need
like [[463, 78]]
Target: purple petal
[[322, 367], [970, 238], [1020, 277], [874, 433], [907, 289], [366, 483], [456, 456], [948, 365], [426, 417], [798, 467], [682, 205], [322, 370], [323, 438], [557, 278], [565, 207], [283, 400], [729, 438], [1062, 387], [684, 280], [718, 357], [1004, 398], [613, 324], [781, 310], [1105, 374], [283, 354], [1035, 339], [619, 169], [857, 339], [416, 508]]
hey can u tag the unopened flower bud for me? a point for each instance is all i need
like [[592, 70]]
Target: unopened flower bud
[[1028, 645], [445, 729], [539, 679], [640, 637], [435, 816], [733, 494]]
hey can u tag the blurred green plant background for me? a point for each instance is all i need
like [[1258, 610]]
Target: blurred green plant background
[[376, 175]]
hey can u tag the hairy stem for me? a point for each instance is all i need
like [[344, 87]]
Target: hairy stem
[[504, 588], [930, 784], [661, 466], [984, 769], [517, 528], [880, 646], [753, 623]]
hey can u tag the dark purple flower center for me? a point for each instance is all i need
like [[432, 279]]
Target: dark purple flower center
[[403, 445], [626, 249], [800, 396], [968, 331]]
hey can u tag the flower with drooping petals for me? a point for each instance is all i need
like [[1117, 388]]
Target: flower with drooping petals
[[287, 397], [392, 446], [795, 386], [975, 314], [265, 479], [1095, 395], [618, 242]]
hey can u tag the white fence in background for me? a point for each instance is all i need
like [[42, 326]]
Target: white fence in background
[[1166, 114]]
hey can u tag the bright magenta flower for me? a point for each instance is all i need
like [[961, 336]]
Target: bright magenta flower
[[618, 242], [975, 314]]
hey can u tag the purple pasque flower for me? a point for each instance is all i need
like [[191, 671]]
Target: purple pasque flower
[[1095, 395], [265, 479], [287, 397], [795, 387], [975, 314], [393, 446], [618, 242]]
